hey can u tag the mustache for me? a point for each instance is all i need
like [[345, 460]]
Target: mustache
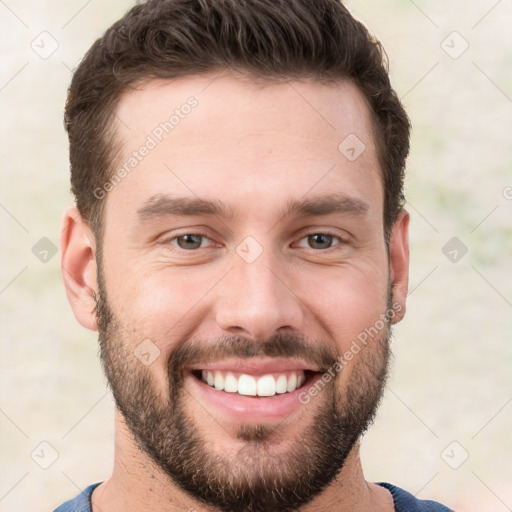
[[197, 350]]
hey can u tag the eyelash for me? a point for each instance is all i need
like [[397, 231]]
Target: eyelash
[[341, 240]]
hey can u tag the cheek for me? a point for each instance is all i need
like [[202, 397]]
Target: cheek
[[349, 302], [165, 305], [356, 321]]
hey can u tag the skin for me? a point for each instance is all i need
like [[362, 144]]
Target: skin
[[255, 148]]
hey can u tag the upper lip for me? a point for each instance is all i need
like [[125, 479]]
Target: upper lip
[[256, 365]]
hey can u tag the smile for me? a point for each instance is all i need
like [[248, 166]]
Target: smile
[[251, 390], [253, 385]]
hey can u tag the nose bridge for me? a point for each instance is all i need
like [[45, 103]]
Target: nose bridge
[[256, 299]]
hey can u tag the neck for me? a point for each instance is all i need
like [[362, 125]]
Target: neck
[[138, 484]]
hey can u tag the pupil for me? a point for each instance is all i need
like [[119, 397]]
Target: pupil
[[317, 239], [190, 239]]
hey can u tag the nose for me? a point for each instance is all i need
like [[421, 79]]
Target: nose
[[257, 300]]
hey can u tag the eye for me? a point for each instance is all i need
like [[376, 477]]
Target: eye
[[319, 241], [189, 241]]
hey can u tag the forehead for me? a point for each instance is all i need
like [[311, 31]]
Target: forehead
[[231, 138]]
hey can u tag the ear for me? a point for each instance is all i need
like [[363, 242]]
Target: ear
[[78, 267], [399, 264]]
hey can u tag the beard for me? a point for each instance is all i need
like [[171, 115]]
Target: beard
[[258, 478]]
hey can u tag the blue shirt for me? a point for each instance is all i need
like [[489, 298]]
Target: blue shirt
[[404, 502]]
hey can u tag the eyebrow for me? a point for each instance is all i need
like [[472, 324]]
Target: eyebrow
[[326, 205], [159, 205], [163, 205]]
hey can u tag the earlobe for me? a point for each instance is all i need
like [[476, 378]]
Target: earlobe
[[78, 267], [399, 264]]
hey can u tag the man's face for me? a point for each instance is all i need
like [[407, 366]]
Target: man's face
[[215, 328]]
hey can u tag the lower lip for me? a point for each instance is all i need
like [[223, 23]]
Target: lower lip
[[249, 409]]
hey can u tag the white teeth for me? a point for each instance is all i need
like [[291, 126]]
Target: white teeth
[[266, 385], [230, 383], [247, 385], [219, 381], [292, 383], [281, 384]]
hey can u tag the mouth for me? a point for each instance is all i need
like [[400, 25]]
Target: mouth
[[251, 391], [267, 385]]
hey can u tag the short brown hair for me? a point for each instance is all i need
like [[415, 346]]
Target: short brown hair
[[268, 39]]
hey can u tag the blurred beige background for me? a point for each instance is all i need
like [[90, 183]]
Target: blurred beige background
[[443, 431]]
